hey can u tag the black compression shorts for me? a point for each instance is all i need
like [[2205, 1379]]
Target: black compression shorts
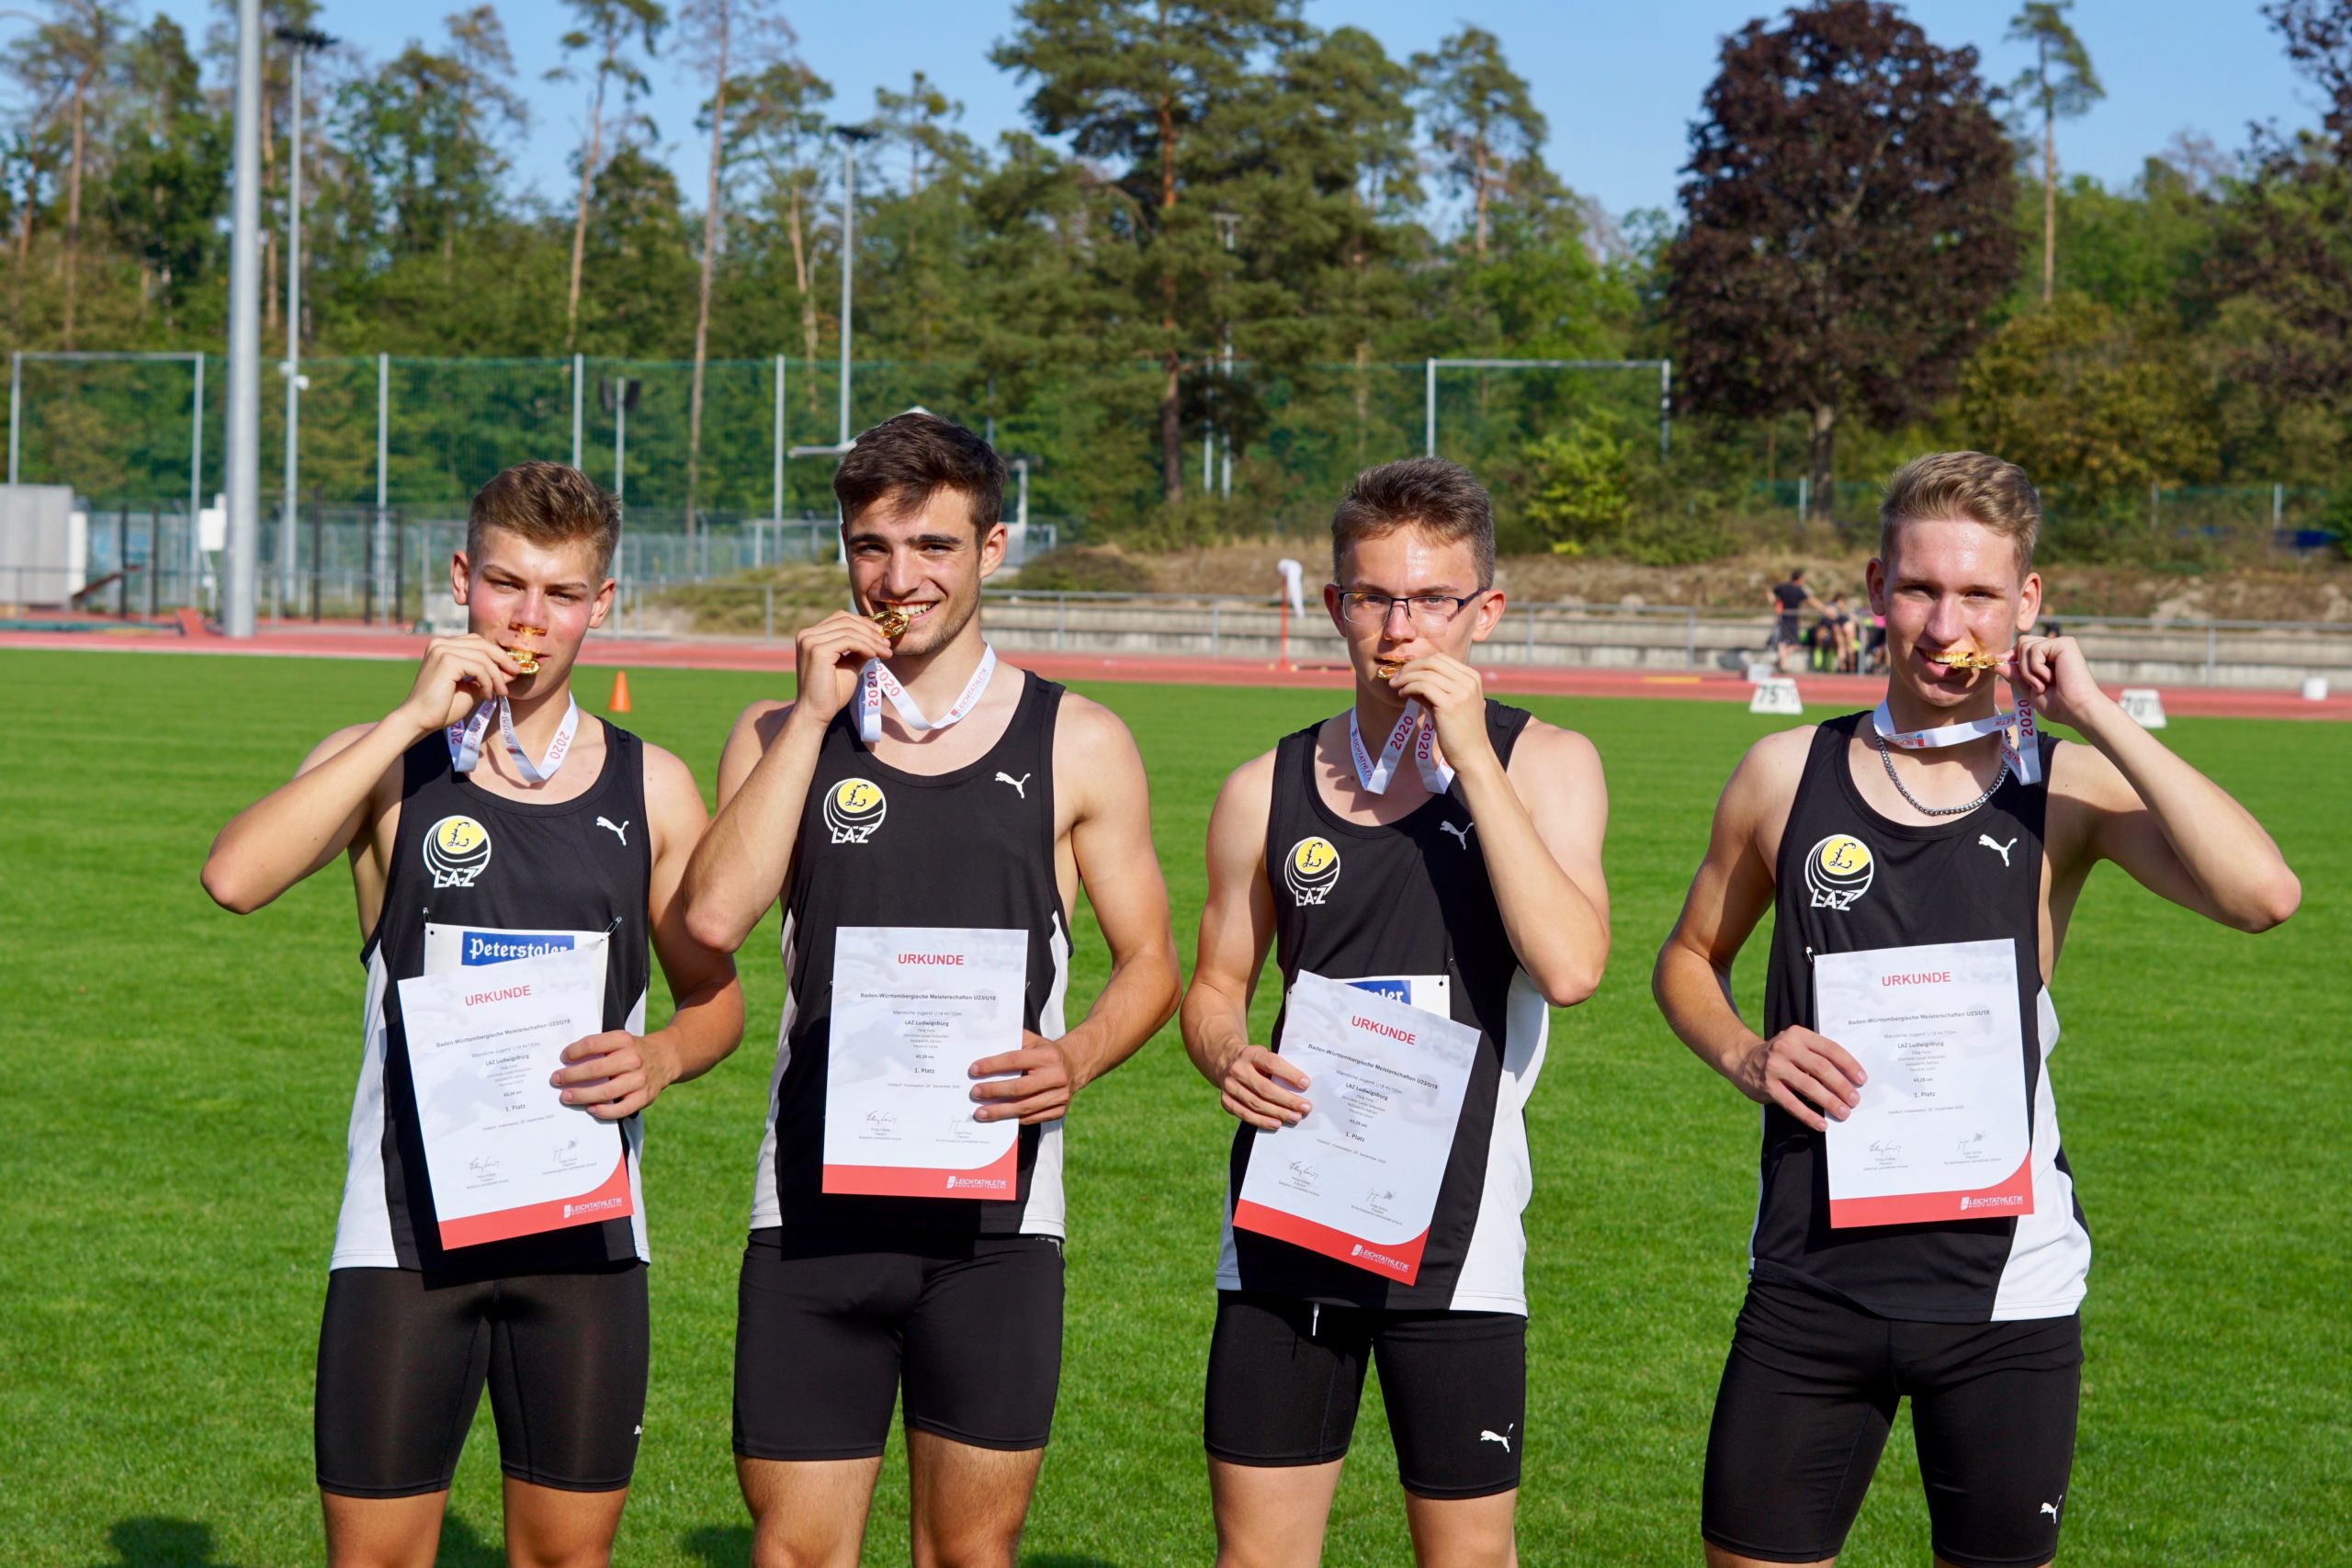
[[831, 1329], [402, 1359], [1810, 1388], [1285, 1377]]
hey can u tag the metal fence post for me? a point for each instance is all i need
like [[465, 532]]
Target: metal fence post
[[196, 488], [768, 614], [1429, 407], [1216, 606], [16, 398], [1061, 621], [1530, 657], [2213, 650]]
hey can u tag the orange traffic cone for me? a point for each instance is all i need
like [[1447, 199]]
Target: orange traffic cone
[[620, 692]]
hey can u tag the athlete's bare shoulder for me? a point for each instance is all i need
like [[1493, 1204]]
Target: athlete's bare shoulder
[[333, 746], [761, 721], [1762, 788], [667, 777], [1549, 747], [1089, 728], [1250, 785]]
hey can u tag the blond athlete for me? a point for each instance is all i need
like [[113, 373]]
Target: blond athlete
[[1927, 823]]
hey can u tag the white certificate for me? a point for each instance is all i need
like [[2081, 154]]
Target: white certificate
[[913, 1008], [506, 1156], [1357, 1177], [1941, 1130]]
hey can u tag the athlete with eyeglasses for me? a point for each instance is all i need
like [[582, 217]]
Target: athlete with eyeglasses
[[1443, 850]]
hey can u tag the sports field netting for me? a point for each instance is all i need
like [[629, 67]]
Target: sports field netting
[[180, 1082]]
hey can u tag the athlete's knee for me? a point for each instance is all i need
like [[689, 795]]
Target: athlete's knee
[[777, 1546]]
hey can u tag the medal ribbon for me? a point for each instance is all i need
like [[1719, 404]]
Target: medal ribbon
[[2023, 753], [465, 740], [1414, 729], [876, 683]]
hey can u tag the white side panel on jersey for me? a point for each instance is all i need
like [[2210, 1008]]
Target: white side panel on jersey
[[1494, 1268], [765, 1209], [363, 1230], [2049, 1256], [1043, 1213], [633, 1141]]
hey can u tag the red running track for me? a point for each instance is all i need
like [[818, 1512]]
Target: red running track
[[1829, 691]]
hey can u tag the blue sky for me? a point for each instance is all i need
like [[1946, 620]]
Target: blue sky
[[1619, 84]]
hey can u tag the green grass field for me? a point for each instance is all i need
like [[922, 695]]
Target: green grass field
[[183, 1078]]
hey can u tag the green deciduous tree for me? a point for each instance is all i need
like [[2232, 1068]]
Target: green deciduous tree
[[1483, 123], [614, 33]]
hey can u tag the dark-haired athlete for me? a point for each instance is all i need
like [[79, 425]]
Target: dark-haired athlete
[[1444, 849], [483, 821], [1907, 828], [920, 783]]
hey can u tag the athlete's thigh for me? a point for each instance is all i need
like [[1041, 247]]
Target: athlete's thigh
[[1993, 1419], [984, 1345], [967, 1503], [817, 1335], [1465, 1532], [401, 1366], [1284, 1382], [1455, 1386], [550, 1526], [808, 1512], [567, 1380], [383, 1532], [1800, 1417]]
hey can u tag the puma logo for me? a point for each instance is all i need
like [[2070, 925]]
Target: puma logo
[[1020, 785], [620, 830], [1487, 1435], [2002, 850], [2052, 1508], [1461, 834]]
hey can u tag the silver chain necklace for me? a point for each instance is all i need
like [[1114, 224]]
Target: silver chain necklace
[[1895, 778]]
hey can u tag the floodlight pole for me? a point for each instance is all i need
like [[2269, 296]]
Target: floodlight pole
[[850, 136], [578, 404], [383, 472], [245, 330], [196, 484], [1429, 408], [777, 506]]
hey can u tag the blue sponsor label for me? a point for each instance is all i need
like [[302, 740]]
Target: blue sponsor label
[[502, 947], [1395, 990]]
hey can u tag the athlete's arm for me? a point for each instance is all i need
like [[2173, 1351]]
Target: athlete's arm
[[617, 1074], [1795, 1069], [304, 823], [1096, 761], [1236, 930], [2179, 834], [1539, 824], [742, 862]]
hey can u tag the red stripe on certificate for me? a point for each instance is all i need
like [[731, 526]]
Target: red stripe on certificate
[[1401, 1262], [608, 1201], [2006, 1202], [999, 1179]]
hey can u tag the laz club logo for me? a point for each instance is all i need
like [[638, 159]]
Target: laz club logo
[[1311, 870], [853, 808], [457, 850], [1838, 870]]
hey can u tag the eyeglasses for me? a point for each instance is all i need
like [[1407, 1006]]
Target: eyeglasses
[[1368, 606]]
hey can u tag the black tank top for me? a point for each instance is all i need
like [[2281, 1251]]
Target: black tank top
[[517, 877], [1849, 880], [882, 847], [1408, 902]]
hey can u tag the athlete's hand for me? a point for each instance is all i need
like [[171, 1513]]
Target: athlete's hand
[[458, 673], [1263, 1089], [1455, 697], [616, 1074], [1039, 1090], [1800, 1071], [2055, 676], [832, 653]]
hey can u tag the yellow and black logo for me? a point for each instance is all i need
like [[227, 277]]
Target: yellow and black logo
[[456, 849], [853, 808], [1311, 870], [1838, 870]]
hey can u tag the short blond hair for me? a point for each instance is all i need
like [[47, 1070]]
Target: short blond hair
[[549, 504], [1975, 485]]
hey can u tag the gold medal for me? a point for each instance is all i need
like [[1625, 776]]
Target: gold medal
[[1972, 660], [892, 622], [1388, 669], [526, 658]]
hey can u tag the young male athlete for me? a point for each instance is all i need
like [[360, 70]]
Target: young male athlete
[[483, 821], [1922, 825], [1447, 848], [920, 783]]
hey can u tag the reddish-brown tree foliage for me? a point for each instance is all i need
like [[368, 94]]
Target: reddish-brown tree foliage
[[1851, 211]]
